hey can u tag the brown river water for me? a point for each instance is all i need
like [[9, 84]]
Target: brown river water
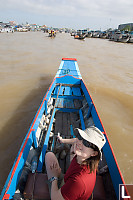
[[28, 63]]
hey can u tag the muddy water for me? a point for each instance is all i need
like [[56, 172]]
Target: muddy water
[[28, 63]]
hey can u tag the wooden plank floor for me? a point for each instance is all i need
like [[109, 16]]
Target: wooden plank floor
[[62, 125]]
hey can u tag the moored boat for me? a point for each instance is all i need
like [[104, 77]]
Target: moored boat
[[22, 29], [117, 36], [96, 34], [66, 105], [89, 34], [104, 35], [80, 37], [130, 37], [124, 38], [7, 30], [73, 33], [81, 34]]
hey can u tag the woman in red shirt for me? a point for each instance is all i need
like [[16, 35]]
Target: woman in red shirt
[[80, 178]]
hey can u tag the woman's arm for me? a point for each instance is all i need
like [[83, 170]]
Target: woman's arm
[[53, 170], [55, 192], [66, 141]]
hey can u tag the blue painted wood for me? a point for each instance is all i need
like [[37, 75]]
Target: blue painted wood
[[68, 109], [61, 65], [72, 132], [68, 97], [45, 107], [68, 67], [61, 90], [56, 90], [64, 103], [96, 119], [63, 72], [51, 88], [57, 103], [76, 91], [77, 68], [82, 119], [89, 110], [68, 91], [68, 80], [67, 103], [85, 91], [43, 152], [53, 144], [70, 103], [19, 169], [34, 139], [115, 175]]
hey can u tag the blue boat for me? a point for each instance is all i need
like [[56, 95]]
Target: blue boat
[[66, 105]]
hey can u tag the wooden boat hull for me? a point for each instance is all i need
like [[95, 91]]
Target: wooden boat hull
[[80, 37], [67, 95]]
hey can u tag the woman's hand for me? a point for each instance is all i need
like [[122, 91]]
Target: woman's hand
[[55, 169], [59, 139]]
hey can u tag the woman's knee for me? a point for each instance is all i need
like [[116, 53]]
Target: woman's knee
[[50, 157]]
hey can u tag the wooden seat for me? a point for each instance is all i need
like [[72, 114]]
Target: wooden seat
[[37, 187], [99, 192]]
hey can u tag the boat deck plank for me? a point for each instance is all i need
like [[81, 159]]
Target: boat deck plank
[[58, 123], [65, 124], [62, 125]]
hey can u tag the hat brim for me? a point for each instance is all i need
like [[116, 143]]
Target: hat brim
[[85, 136], [89, 138]]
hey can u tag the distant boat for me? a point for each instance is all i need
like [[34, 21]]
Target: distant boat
[[73, 33], [103, 35], [21, 29], [80, 37], [66, 105], [117, 36], [7, 30], [89, 34], [124, 38], [130, 37], [80, 34], [96, 34], [111, 37]]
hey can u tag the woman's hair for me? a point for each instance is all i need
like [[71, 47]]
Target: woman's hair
[[93, 161]]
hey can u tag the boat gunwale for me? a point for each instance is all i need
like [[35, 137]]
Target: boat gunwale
[[104, 132]]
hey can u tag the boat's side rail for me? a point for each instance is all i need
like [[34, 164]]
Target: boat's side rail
[[41, 158], [107, 149]]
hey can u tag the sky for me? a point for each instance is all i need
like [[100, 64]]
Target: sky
[[77, 14]]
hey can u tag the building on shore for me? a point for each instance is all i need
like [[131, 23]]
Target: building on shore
[[127, 27]]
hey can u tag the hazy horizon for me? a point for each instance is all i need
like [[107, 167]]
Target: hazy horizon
[[77, 14]]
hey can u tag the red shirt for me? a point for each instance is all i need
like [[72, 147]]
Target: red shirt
[[79, 184]]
